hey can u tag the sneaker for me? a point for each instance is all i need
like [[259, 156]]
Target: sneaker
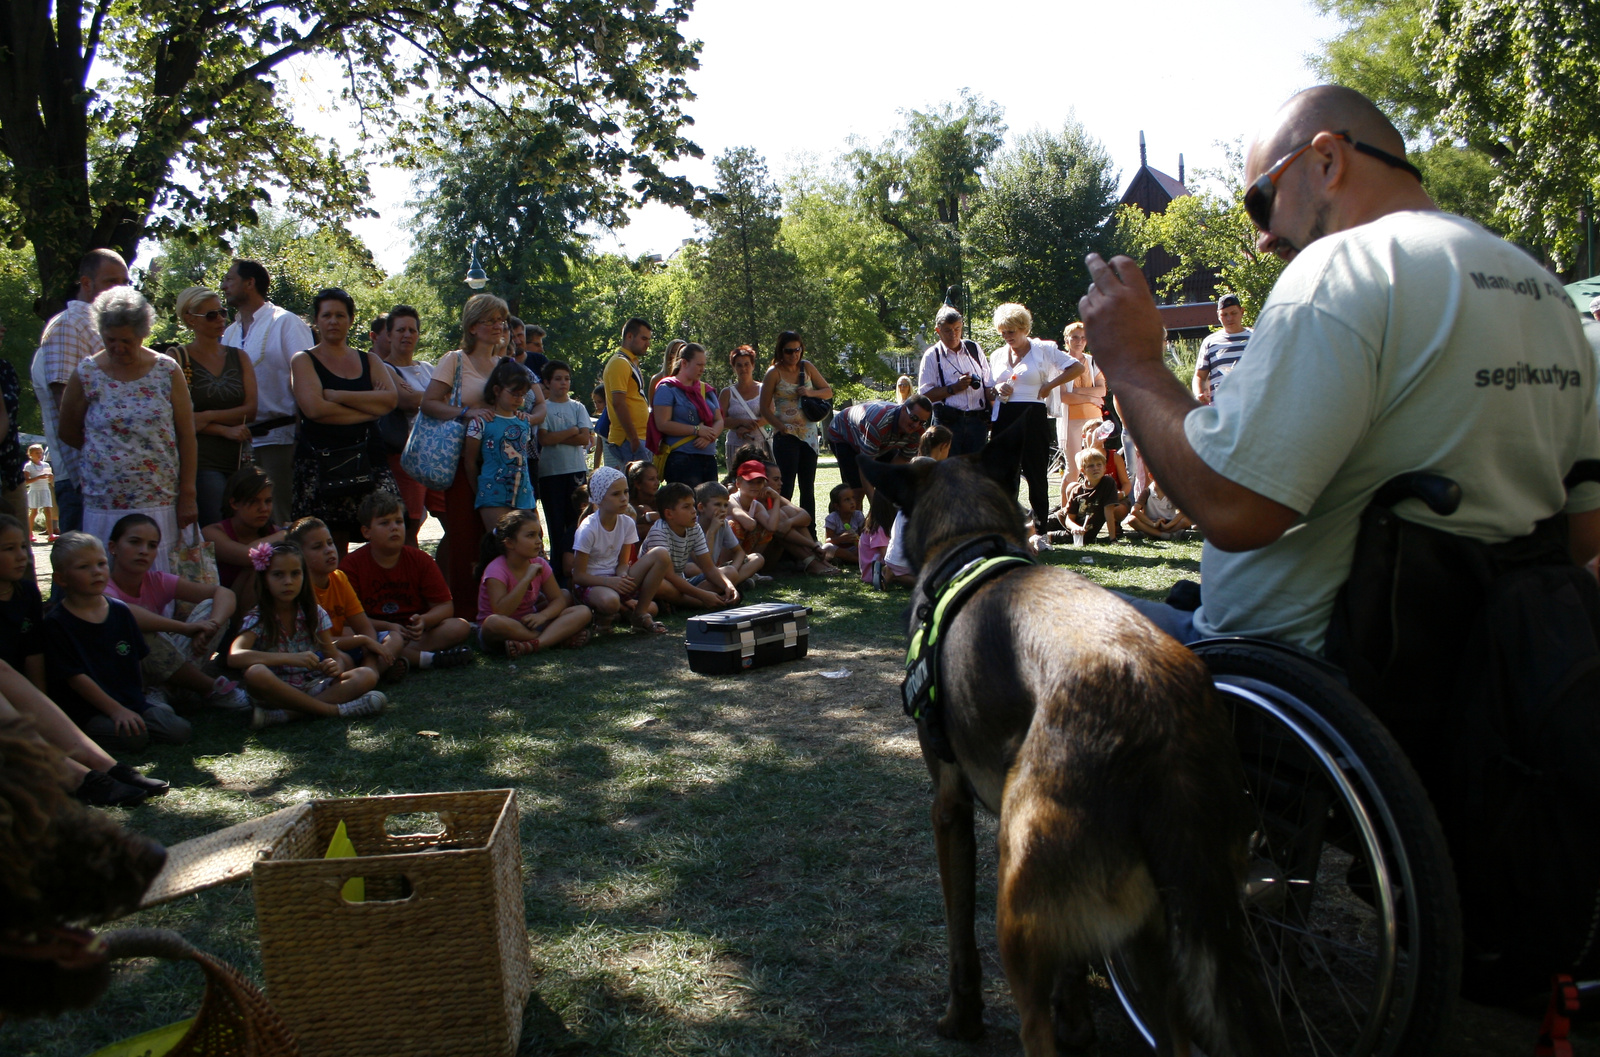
[[102, 790], [454, 657], [158, 694], [1038, 543], [262, 718], [877, 573], [235, 700], [368, 704], [129, 776], [222, 686]]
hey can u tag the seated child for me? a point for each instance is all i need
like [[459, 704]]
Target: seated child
[[495, 452], [1086, 501], [843, 525], [873, 549], [520, 607], [1156, 515], [402, 589], [604, 576], [678, 533], [1116, 469], [249, 498], [177, 647], [285, 648], [643, 481], [92, 652], [359, 643], [935, 443], [771, 524], [21, 606], [41, 496], [716, 521]]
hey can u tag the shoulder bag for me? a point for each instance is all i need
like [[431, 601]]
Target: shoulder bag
[[432, 454], [815, 408]]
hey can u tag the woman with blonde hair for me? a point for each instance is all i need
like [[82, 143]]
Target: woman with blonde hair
[[222, 387], [1080, 400], [484, 321], [1026, 370]]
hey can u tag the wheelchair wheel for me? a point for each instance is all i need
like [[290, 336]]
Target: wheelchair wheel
[[1351, 896]]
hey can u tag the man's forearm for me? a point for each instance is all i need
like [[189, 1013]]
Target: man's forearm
[[624, 417]]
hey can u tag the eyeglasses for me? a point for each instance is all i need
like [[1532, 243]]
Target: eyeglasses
[[1259, 195], [496, 323], [210, 317]]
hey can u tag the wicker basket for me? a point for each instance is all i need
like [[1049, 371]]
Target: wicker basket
[[435, 961], [233, 1021]]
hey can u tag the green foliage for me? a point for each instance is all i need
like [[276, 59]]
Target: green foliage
[[1042, 208], [1207, 229], [1376, 54], [1461, 180], [19, 285], [1521, 81], [190, 137], [746, 285], [917, 183]]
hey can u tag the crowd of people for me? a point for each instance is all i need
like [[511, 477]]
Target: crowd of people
[[286, 448]]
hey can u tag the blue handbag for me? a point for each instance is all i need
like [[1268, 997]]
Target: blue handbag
[[433, 451]]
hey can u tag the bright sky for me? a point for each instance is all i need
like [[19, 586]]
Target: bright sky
[[794, 81]]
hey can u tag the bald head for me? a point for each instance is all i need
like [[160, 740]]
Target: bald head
[[1325, 108]]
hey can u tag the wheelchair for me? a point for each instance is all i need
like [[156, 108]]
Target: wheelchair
[[1351, 895]]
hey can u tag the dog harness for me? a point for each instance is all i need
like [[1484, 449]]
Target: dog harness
[[954, 580]]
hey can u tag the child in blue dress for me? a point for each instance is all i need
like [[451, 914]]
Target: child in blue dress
[[496, 450]]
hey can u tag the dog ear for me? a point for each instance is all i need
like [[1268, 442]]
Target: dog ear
[[900, 482], [1003, 454]]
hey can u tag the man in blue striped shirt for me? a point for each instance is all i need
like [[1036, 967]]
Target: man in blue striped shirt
[[1221, 350]]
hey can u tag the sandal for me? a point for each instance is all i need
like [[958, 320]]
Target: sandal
[[577, 641], [520, 647], [649, 624]]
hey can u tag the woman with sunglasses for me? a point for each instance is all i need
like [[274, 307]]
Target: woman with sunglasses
[[790, 379], [222, 386], [741, 404]]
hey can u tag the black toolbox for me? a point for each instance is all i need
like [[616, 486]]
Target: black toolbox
[[734, 640]]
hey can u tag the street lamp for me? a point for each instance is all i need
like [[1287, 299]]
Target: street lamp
[[476, 277]]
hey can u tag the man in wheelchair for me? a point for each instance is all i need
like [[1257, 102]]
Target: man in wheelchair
[[1400, 339]]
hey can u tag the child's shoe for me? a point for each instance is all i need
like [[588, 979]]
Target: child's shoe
[[262, 718], [454, 657], [130, 776], [368, 704], [102, 790]]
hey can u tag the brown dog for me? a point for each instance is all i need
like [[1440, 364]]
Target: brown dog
[[1097, 741]]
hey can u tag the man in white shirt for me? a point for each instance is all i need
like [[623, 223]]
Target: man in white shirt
[[270, 336], [955, 376], [68, 339], [1399, 337], [1221, 350]]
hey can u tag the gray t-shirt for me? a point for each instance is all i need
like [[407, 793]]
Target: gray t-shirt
[[1419, 341], [683, 549]]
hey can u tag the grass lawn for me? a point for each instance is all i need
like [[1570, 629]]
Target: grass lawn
[[736, 865]]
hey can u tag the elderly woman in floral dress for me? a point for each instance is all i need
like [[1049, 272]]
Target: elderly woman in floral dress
[[127, 410]]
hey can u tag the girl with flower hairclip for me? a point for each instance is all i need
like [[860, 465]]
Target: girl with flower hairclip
[[285, 647]]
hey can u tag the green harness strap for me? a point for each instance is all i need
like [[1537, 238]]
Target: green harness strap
[[919, 691]]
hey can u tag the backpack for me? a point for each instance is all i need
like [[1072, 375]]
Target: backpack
[[1484, 662]]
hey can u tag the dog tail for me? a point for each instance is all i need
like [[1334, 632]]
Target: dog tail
[[1194, 843]]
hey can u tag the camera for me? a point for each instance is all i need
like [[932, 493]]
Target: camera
[[973, 383]]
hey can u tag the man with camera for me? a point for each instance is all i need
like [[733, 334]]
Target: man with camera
[[955, 376]]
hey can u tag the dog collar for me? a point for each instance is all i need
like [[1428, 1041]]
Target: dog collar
[[953, 581]]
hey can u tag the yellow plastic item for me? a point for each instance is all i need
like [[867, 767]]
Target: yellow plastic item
[[151, 1044], [340, 847]]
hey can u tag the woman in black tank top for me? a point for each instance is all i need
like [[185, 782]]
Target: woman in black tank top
[[341, 392]]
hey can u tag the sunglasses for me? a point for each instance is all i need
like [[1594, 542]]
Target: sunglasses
[[1258, 197], [795, 348], [210, 317]]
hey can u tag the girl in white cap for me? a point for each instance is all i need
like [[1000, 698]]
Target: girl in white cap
[[605, 575]]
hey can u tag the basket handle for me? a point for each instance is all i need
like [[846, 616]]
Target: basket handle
[[148, 943]]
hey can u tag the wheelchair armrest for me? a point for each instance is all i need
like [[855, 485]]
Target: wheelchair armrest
[[1441, 494], [1200, 646]]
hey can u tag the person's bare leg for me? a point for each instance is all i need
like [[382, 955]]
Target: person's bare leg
[[572, 620], [269, 688], [52, 724], [647, 572]]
